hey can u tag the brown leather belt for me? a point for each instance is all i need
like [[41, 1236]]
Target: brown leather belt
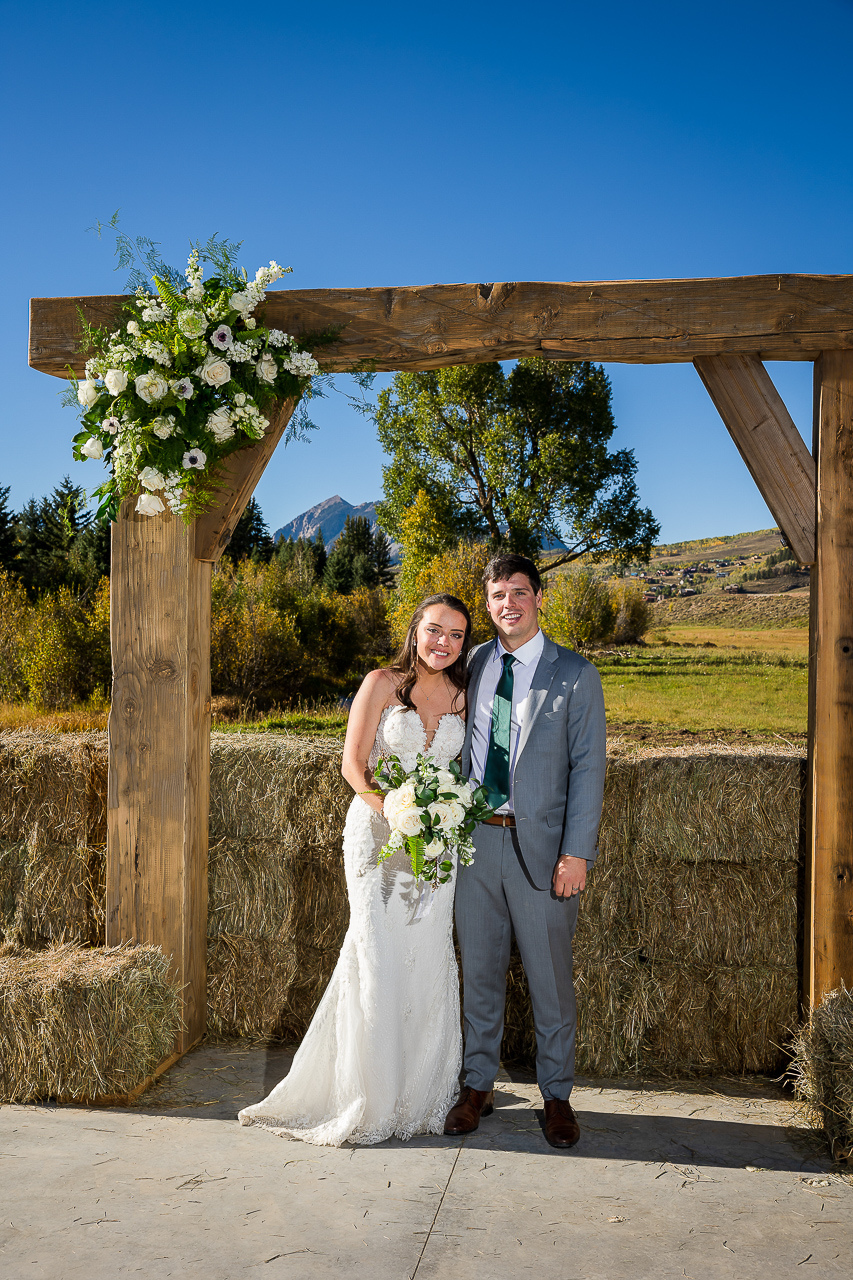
[[501, 820]]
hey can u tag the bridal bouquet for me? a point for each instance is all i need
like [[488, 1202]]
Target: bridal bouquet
[[433, 812], [184, 380]]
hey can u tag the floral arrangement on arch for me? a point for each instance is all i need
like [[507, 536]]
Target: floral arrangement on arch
[[184, 381]]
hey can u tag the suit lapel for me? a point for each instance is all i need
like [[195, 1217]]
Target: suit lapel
[[542, 679]]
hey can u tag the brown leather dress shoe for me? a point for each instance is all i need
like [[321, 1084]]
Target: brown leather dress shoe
[[561, 1124], [465, 1116]]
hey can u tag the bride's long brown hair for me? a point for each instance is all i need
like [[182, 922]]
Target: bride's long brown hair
[[406, 661]]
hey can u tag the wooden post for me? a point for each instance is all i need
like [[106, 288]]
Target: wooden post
[[829, 940], [159, 742]]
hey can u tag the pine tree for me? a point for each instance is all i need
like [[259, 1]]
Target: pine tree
[[49, 535], [251, 537], [361, 557], [8, 543]]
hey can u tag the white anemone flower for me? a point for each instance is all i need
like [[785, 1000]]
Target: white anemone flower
[[194, 458]]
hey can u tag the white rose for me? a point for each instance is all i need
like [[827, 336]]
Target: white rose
[[457, 813], [398, 800], [434, 849], [440, 812], [148, 504], [215, 371], [87, 392], [266, 368], [219, 424], [445, 777], [409, 822], [192, 324], [240, 302], [194, 458], [92, 448], [152, 478], [115, 381], [150, 387], [164, 426]]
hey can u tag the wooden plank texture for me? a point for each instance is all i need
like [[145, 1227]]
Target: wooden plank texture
[[768, 441], [240, 474], [830, 926], [779, 317], [159, 749]]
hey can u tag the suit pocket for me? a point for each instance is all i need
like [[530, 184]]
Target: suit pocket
[[554, 817]]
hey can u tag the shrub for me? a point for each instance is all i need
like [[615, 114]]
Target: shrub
[[579, 609], [633, 613], [15, 620]]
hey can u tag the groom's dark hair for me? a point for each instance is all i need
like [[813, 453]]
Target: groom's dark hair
[[504, 566]]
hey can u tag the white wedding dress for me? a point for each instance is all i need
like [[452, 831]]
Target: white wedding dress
[[382, 1055]]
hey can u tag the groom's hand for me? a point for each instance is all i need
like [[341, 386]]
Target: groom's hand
[[569, 877]]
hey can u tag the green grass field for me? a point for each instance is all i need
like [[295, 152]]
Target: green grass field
[[698, 679], [722, 689]]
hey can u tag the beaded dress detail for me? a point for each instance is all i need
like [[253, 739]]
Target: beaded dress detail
[[382, 1055]]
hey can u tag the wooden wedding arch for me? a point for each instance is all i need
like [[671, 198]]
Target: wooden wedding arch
[[159, 728]]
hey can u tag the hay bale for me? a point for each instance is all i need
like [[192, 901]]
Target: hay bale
[[56, 783], [823, 1070], [81, 1024], [686, 941], [276, 787]]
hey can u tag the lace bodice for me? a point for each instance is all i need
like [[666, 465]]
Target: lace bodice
[[401, 731]]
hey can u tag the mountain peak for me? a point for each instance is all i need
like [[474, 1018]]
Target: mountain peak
[[329, 516]]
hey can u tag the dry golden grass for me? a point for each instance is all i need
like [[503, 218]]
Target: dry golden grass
[[20, 715], [785, 640]]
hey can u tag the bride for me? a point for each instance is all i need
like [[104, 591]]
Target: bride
[[382, 1055]]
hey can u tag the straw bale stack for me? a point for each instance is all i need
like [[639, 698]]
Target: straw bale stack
[[52, 837], [823, 1070], [686, 948], [80, 1024], [278, 906]]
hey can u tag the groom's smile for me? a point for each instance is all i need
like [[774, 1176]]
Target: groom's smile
[[513, 606]]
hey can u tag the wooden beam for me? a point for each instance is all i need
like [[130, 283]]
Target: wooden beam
[[159, 749], [829, 941], [780, 317], [769, 443], [240, 474]]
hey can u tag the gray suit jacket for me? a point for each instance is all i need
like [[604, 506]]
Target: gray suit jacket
[[559, 765]]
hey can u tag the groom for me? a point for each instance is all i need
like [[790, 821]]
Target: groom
[[536, 737]]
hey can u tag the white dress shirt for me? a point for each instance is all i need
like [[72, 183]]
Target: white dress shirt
[[523, 670]]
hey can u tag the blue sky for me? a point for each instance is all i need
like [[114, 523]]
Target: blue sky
[[384, 144]]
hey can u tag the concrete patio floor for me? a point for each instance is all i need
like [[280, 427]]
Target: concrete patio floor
[[692, 1181]]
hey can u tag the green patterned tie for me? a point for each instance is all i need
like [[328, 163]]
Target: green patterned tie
[[496, 777]]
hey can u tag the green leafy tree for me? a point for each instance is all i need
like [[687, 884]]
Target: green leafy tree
[[359, 558], [518, 459], [251, 537]]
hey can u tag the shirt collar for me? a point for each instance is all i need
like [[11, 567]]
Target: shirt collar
[[530, 651]]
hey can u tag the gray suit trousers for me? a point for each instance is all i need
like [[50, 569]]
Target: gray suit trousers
[[496, 898]]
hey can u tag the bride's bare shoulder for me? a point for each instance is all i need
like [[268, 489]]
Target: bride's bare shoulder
[[380, 685]]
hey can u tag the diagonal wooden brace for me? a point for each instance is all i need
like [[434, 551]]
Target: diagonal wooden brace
[[240, 473], [769, 443]]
